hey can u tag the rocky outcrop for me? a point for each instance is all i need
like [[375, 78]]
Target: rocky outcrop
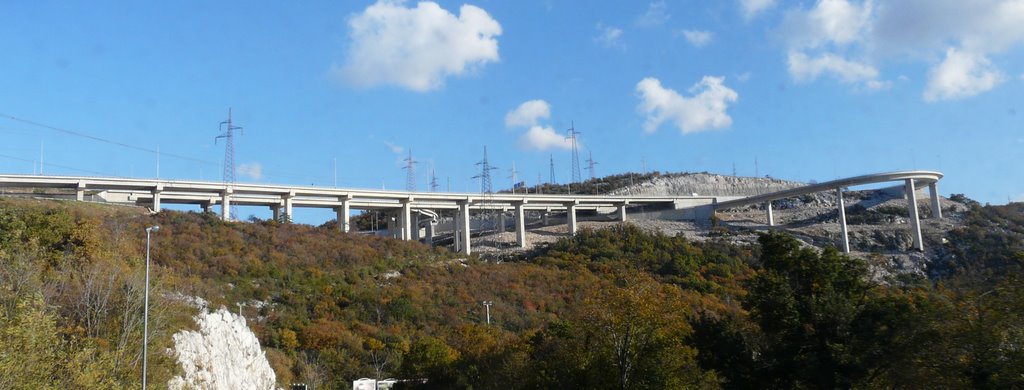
[[222, 354]]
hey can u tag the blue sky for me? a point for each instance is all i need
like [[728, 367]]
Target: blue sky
[[811, 90]]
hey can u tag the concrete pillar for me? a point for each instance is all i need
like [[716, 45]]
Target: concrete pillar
[[156, 200], [622, 212], [464, 228], [416, 227], [842, 220], [276, 210], [288, 207], [80, 191], [768, 210], [915, 221], [933, 190], [570, 214], [544, 217], [405, 220], [429, 232], [343, 214], [391, 226], [521, 224], [501, 222], [225, 204], [207, 206]]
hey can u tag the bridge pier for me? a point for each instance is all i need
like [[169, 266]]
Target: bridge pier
[[463, 229], [520, 219], [225, 204], [501, 222], [156, 198], [915, 221], [405, 219], [429, 233], [80, 191], [622, 211], [570, 215], [842, 220], [343, 213], [544, 217], [933, 191], [288, 207], [276, 211], [768, 210]]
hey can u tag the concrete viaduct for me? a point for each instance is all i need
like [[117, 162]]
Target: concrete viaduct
[[409, 206]]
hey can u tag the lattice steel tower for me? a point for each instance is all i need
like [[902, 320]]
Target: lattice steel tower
[[485, 174], [575, 153], [551, 179], [590, 164], [410, 175], [228, 133]]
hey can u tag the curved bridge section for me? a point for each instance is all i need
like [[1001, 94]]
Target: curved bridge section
[[411, 206], [912, 181]]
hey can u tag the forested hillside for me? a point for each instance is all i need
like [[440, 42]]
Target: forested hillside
[[614, 308]]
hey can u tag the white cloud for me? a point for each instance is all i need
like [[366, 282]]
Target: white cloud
[[963, 34], [836, 22], [608, 36], [698, 38], [656, 15], [805, 69], [396, 149], [752, 8], [705, 110], [743, 77], [253, 170], [417, 48], [528, 113], [544, 138], [961, 75]]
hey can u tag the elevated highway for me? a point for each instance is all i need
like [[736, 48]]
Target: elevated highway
[[409, 206]]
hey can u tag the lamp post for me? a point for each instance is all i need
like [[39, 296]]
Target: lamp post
[[145, 316], [487, 304]]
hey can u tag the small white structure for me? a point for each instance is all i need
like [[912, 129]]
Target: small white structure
[[373, 384]]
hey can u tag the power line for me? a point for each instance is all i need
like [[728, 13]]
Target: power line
[[54, 165], [104, 140]]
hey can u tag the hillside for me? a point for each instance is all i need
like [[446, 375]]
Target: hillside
[[611, 308]]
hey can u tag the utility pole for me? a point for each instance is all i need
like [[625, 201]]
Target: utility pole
[[487, 304], [410, 175], [228, 133], [733, 169]]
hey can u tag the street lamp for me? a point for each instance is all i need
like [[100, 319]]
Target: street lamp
[[488, 304], [145, 316]]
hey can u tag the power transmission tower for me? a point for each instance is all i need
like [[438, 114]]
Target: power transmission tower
[[734, 169], [485, 174], [538, 183], [590, 164], [575, 153], [513, 177], [433, 180], [410, 175], [551, 179], [228, 133]]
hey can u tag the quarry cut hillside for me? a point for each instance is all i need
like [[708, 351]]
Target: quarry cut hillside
[[877, 219], [705, 184]]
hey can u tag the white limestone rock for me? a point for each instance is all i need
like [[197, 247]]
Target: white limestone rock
[[222, 354]]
